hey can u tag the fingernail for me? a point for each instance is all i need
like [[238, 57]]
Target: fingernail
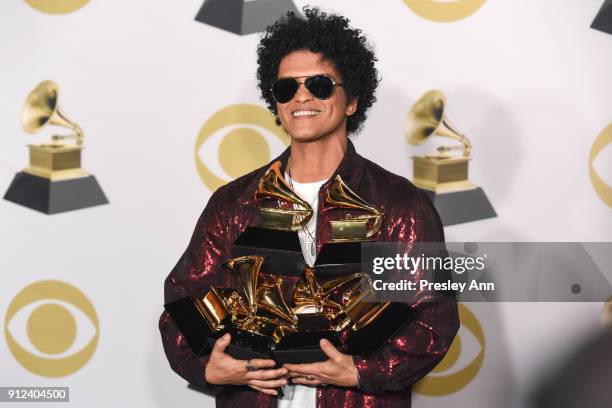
[[283, 371]]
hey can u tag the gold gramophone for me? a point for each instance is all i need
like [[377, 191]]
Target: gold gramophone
[[313, 299], [312, 295], [54, 180], [260, 309], [54, 160], [359, 228], [442, 174], [274, 234], [273, 186], [439, 172]]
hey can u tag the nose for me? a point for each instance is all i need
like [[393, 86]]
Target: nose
[[302, 94]]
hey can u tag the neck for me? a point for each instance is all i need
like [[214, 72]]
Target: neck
[[316, 160]]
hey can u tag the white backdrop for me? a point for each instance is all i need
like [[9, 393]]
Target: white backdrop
[[528, 81]]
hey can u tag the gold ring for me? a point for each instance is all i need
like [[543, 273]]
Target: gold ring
[[309, 377]]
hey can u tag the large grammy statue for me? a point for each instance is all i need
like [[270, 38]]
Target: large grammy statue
[[54, 181], [442, 175]]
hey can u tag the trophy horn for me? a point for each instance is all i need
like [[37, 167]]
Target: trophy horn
[[247, 269], [41, 107], [427, 118], [273, 186], [270, 298], [332, 283], [311, 291], [339, 195]]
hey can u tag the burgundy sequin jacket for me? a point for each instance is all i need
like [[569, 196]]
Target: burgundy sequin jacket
[[386, 377]]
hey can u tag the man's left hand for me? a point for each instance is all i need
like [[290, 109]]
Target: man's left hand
[[339, 369]]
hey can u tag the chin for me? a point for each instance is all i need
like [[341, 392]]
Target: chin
[[304, 136], [307, 134]]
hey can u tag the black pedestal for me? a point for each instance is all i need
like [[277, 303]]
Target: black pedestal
[[281, 249], [462, 206], [603, 20], [244, 17], [51, 197]]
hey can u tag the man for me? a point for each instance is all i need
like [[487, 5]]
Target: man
[[318, 77]]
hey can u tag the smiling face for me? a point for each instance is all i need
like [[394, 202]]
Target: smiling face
[[306, 118]]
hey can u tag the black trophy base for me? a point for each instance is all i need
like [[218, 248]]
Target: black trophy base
[[603, 20], [238, 352], [304, 345], [462, 206], [243, 17], [303, 356], [369, 339], [338, 258], [52, 197], [281, 249]]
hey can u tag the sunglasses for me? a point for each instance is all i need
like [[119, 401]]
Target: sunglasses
[[320, 86]]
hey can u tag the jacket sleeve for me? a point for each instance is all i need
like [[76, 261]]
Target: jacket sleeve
[[197, 270], [417, 348]]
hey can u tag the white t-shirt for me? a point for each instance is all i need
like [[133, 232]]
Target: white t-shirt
[[301, 396]]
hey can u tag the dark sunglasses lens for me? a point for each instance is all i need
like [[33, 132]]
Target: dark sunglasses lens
[[320, 86], [284, 89]]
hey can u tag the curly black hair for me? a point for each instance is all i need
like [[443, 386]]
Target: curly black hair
[[329, 34]]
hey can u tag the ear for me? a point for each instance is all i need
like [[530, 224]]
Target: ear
[[351, 107]]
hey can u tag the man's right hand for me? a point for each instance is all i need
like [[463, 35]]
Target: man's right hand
[[224, 369]]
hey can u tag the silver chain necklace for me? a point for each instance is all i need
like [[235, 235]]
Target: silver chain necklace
[[311, 242]]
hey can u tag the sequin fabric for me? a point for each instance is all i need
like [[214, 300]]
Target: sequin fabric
[[385, 379]]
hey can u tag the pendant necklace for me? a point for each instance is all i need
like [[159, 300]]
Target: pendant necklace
[[310, 239]]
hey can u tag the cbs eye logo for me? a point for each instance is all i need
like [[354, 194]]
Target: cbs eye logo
[[57, 6], [51, 328], [443, 380], [603, 189], [444, 11], [236, 140]]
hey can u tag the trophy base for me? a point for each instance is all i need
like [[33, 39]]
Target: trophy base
[[603, 20], [367, 340], [462, 206], [281, 249], [303, 346], [52, 197], [243, 17], [304, 356]]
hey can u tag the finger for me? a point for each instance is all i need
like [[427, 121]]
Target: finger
[[265, 391], [304, 381], [293, 374], [312, 368], [268, 384], [261, 363], [221, 344], [330, 351], [266, 374]]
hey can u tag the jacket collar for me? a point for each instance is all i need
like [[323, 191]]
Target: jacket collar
[[350, 169]]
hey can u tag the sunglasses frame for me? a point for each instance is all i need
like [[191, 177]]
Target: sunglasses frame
[[334, 85]]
